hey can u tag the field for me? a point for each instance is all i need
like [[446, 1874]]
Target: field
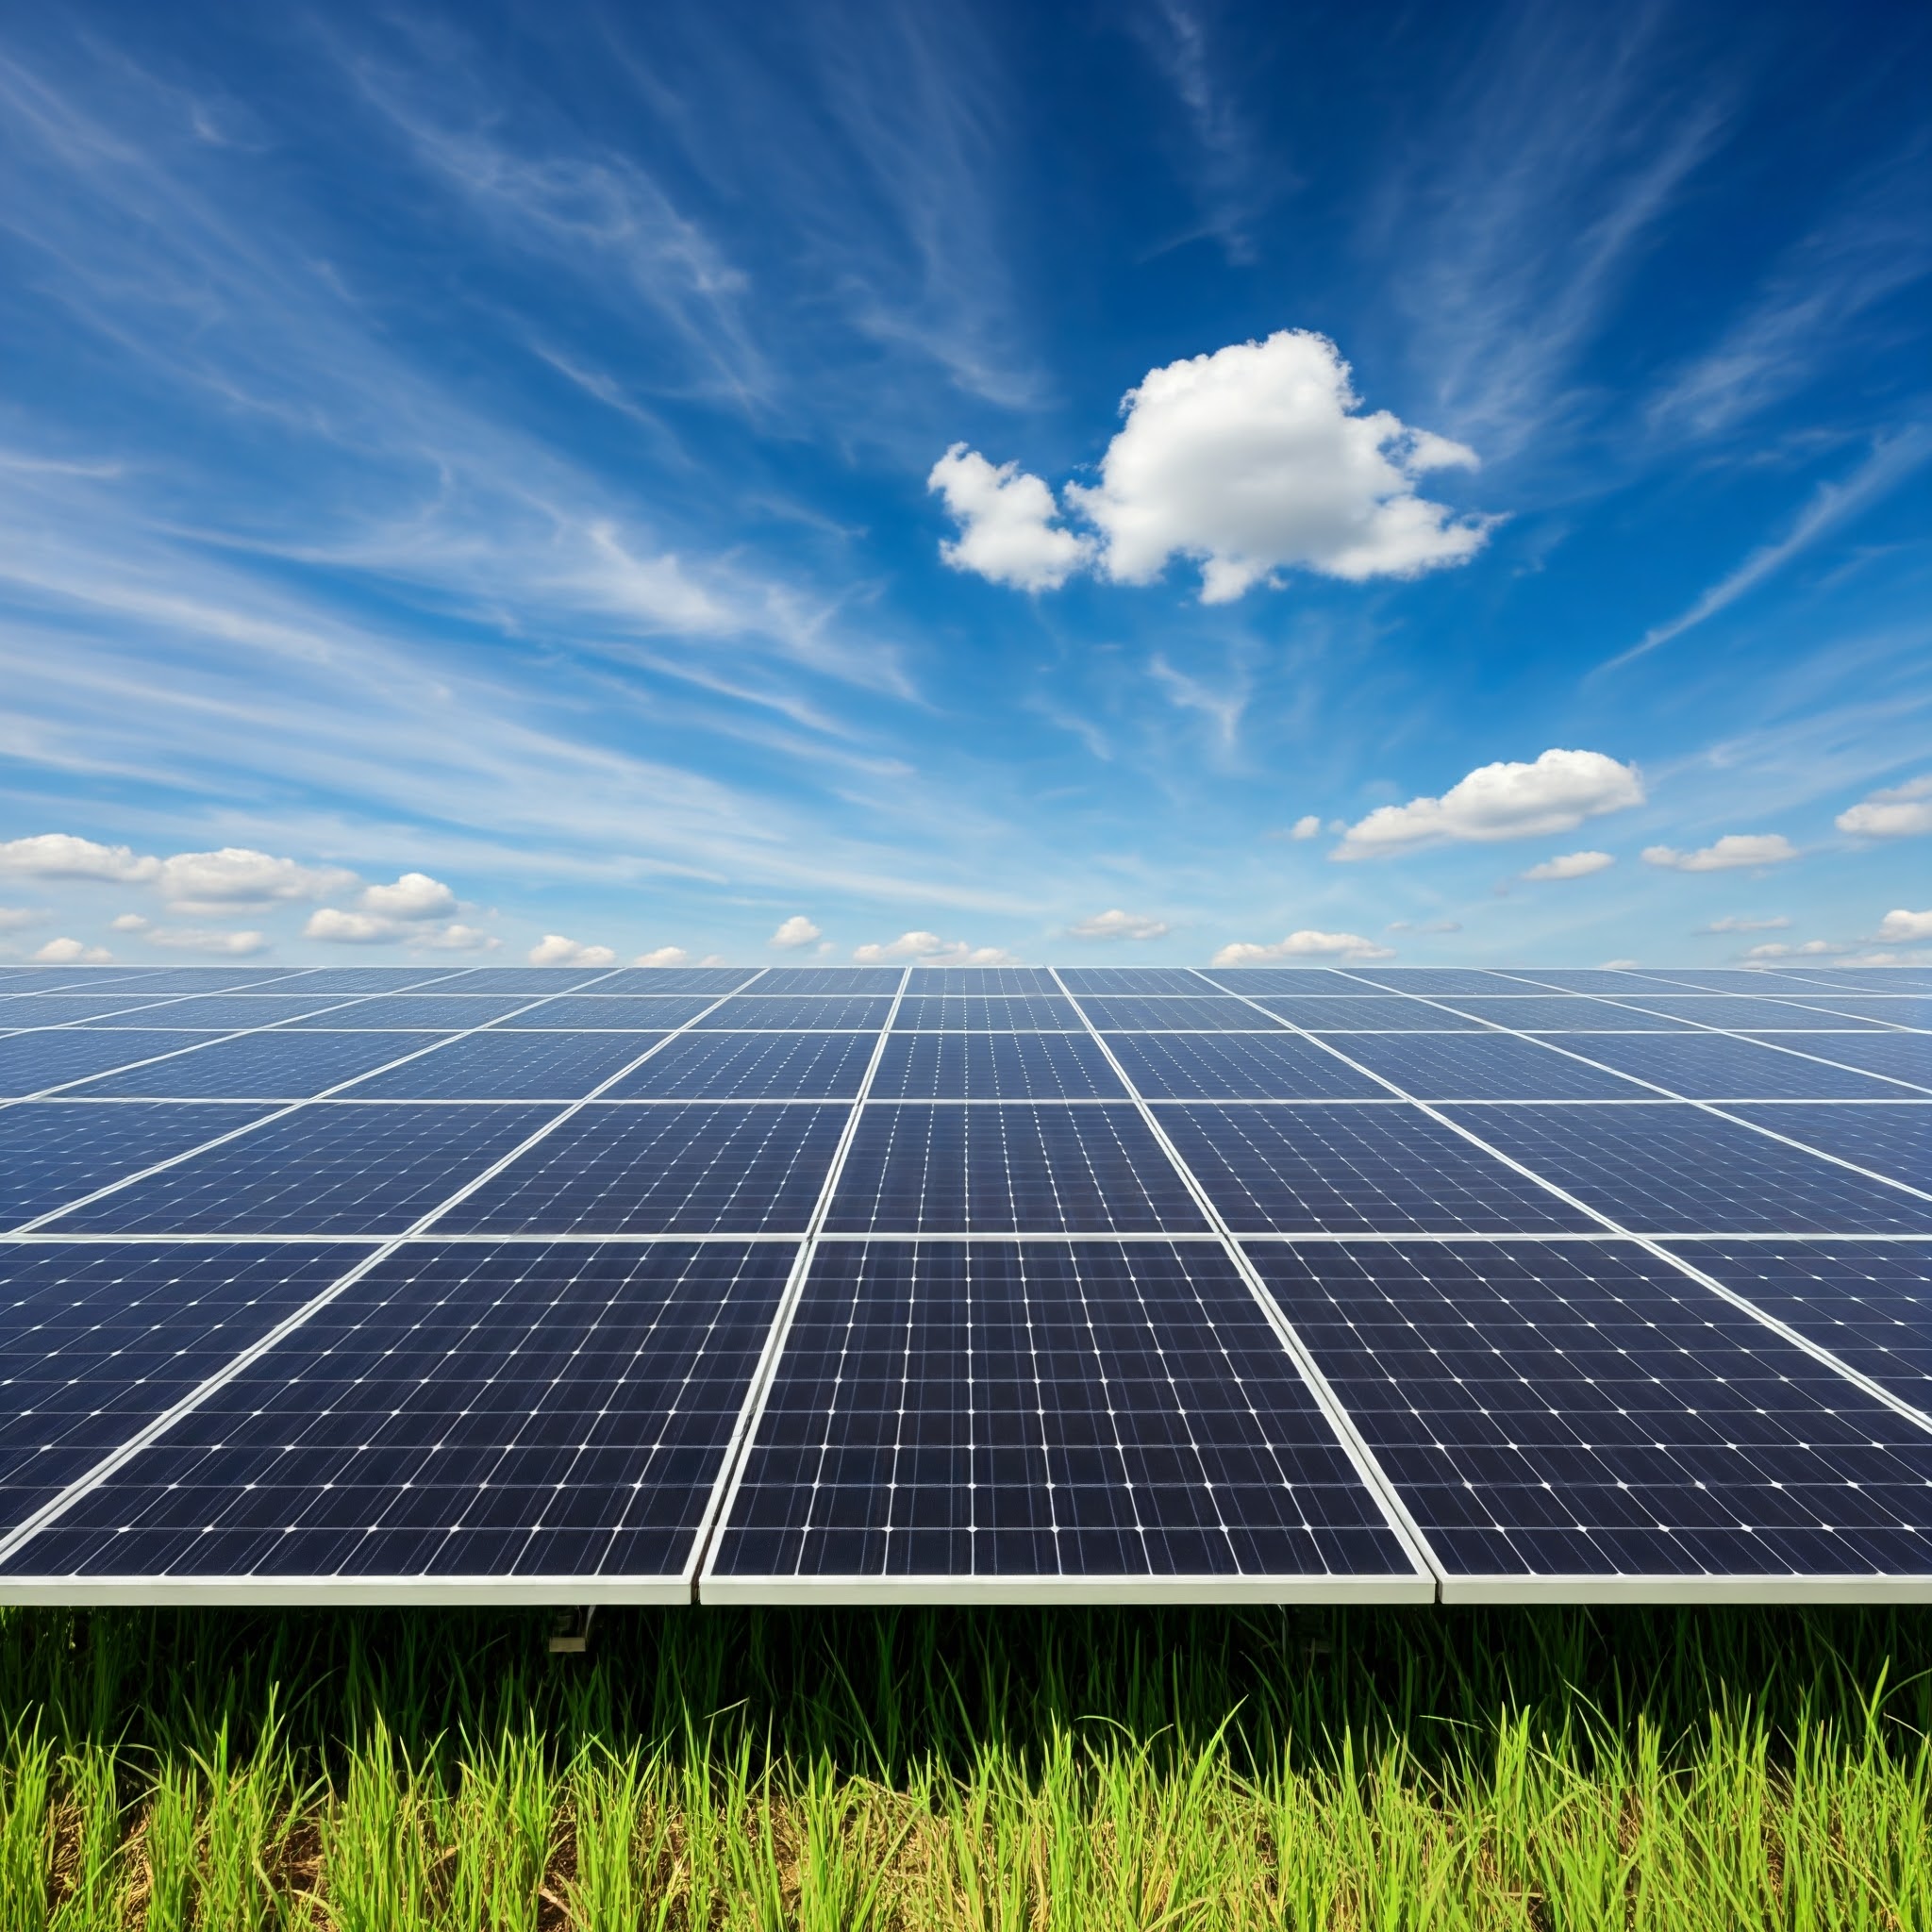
[[995, 1768]]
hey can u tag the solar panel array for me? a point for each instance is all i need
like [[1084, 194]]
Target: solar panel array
[[950, 1284]]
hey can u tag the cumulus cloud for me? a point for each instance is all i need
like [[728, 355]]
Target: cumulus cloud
[[928, 949], [239, 875], [1896, 813], [65, 952], [663, 956], [1571, 865], [454, 938], [553, 949], [1554, 793], [1733, 850], [1308, 827], [1731, 923], [332, 923], [1900, 925], [1811, 949], [1253, 460], [198, 939], [796, 931], [1306, 944], [414, 896], [1116, 924], [61, 855], [1009, 530]]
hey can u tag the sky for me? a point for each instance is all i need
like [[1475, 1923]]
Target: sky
[[1143, 483]]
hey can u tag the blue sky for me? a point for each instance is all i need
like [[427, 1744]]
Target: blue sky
[[478, 480]]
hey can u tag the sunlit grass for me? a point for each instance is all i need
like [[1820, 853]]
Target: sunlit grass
[[988, 1770]]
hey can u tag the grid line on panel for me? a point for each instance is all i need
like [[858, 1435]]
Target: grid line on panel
[[765, 1372], [1405, 1527], [59, 1505], [141, 1005], [1652, 1246]]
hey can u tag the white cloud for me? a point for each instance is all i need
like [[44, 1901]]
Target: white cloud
[[1733, 850], [930, 950], [663, 956], [414, 896], [1896, 813], [351, 929], [239, 875], [65, 952], [130, 922], [1306, 944], [1555, 793], [553, 949], [1900, 925], [795, 931], [1008, 524], [337, 926], [195, 939], [1571, 865], [1306, 827], [16, 917], [61, 855], [1811, 949], [1732, 923], [1252, 460], [1116, 924], [454, 938]]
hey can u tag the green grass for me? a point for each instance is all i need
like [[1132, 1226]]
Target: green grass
[[376, 1772]]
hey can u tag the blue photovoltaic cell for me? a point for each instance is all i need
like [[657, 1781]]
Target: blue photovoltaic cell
[[347, 980], [1670, 1169], [1434, 980], [1483, 1066], [837, 979], [981, 979], [422, 1012], [753, 1066], [794, 1013], [54, 1151], [1897, 1055], [1333, 1167], [996, 1066], [231, 1012], [713, 981], [509, 1066], [1894, 1140], [1255, 980], [575, 1426], [76, 978], [1586, 1411], [29, 1061], [254, 1066], [533, 982], [1208, 1014], [1869, 1302], [65, 1009], [611, 1014], [1883, 979], [1567, 1013], [1716, 1066], [1578, 980], [1038, 1412], [164, 981], [1737, 979], [1747, 1016], [1247, 1066], [1028, 1012], [662, 1169], [1327, 1015], [333, 1167], [1140, 980], [95, 1341], [1003, 1170], [1892, 1009]]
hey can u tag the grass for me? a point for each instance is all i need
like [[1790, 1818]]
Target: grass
[[377, 1771]]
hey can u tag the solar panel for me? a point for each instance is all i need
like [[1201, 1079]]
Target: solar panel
[[868, 1283]]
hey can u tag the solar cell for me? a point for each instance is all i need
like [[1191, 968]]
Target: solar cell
[[370, 979], [1254, 980], [509, 1066], [1746, 1016], [1716, 1066], [693, 1169], [1326, 1014], [1433, 980], [1335, 1166], [77, 979], [417, 1012], [1576, 980], [1870, 979], [1249, 1066], [1208, 1014], [163, 981], [251, 1066], [1869, 1302], [69, 1009], [573, 1428], [534, 981], [982, 1012], [994, 1066], [1567, 1014], [332, 1166], [981, 979], [95, 1341], [1894, 1140], [229, 1013], [1482, 1066], [1746, 980], [1668, 1168], [752, 1066], [1007, 1169], [1029, 1421], [841, 979], [609, 1013], [1560, 1416], [1897, 1055], [1889, 1009], [790, 1014], [29, 1061], [713, 981], [1140, 980], [54, 1151]]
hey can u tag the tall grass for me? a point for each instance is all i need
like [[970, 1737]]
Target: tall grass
[[998, 1771]]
